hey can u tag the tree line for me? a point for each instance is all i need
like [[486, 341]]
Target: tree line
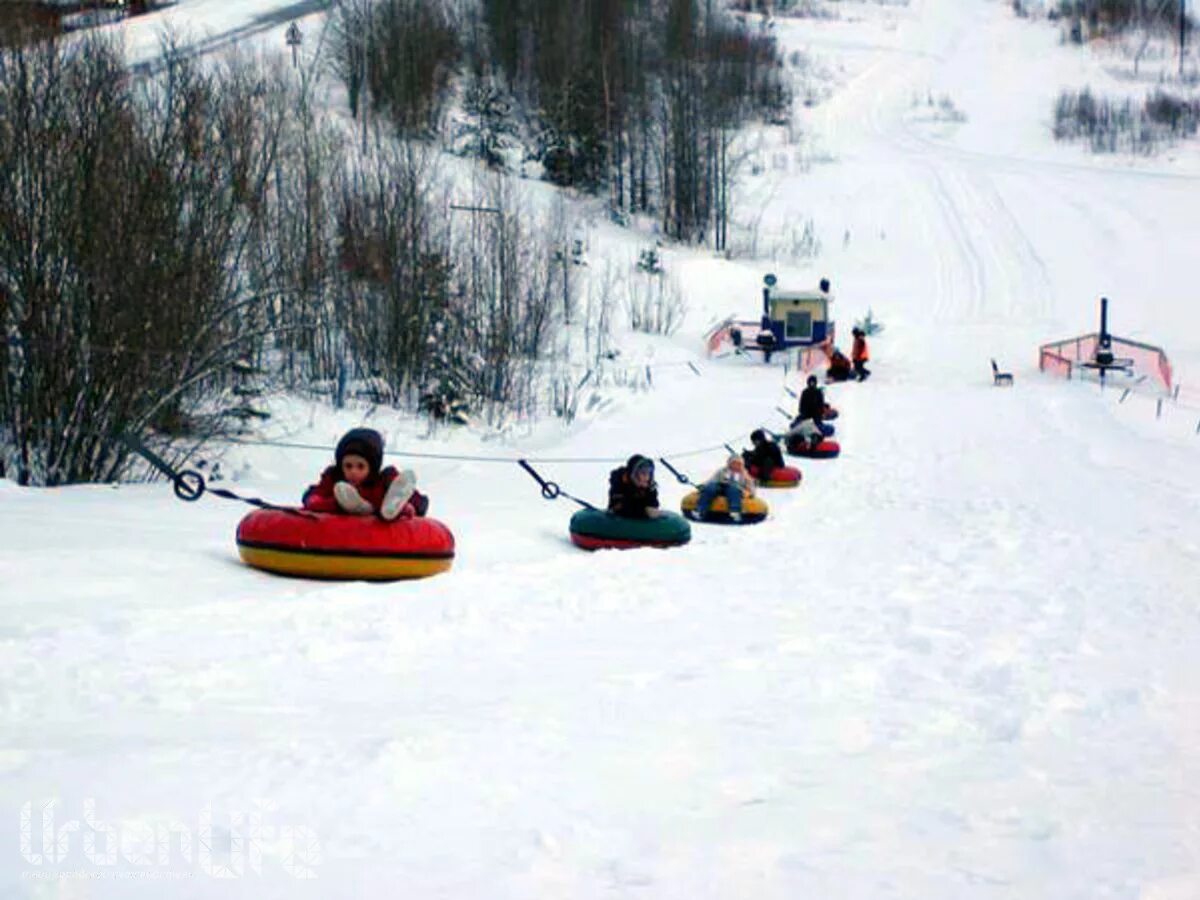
[[172, 243], [1118, 15], [638, 100]]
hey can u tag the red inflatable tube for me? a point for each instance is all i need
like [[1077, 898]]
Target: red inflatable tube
[[326, 545], [592, 542], [827, 449], [785, 476]]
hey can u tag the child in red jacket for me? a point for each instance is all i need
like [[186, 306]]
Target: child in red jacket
[[358, 485]]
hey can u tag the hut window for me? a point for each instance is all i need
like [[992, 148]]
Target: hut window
[[799, 324]]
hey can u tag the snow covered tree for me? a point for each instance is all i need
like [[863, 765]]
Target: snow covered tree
[[489, 125]]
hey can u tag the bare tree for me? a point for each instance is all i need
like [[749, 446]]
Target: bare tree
[[295, 247], [349, 35], [395, 267], [395, 58], [126, 212]]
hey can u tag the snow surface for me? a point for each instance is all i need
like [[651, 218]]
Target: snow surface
[[959, 661]]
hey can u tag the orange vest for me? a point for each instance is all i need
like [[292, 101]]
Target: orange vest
[[859, 351]]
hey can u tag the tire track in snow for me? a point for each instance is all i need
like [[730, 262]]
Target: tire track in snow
[[960, 255], [1015, 281], [968, 259], [986, 266], [1028, 165]]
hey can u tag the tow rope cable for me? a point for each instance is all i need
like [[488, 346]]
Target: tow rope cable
[[189, 485], [683, 479], [550, 490]]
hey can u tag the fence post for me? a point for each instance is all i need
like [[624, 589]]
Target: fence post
[[1158, 413]]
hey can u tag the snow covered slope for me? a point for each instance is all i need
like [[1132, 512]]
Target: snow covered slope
[[960, 661]]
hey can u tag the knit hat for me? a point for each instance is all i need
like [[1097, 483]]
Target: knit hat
[[364, 442], [757, 436], [638, 462], [812, 381]]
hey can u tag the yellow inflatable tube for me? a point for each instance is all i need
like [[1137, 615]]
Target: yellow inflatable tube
[[754, 509]]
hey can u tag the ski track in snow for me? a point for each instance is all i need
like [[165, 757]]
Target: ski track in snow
[[959, 661]]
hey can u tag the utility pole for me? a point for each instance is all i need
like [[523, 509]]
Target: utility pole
[[350, 14], [1182, 35], [365, 92], [293, 39]]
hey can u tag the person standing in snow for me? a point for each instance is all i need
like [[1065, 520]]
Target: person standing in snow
[[859, 354], [632, 492], [358, 485]]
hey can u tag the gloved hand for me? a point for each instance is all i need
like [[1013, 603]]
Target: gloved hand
[[350, 500], [398, 494]]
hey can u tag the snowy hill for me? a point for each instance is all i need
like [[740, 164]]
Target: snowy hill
[[959, 661]]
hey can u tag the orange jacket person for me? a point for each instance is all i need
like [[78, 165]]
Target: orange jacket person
[[859, 354]]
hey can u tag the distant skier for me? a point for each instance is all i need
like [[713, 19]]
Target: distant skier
[[632, 492], [859, 354]]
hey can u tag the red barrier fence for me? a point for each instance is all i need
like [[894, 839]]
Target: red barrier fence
[[1065, 357]]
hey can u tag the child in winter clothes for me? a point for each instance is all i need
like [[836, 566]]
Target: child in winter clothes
[[632, 492], [805, 431], [812, 402], [731, 480], [765, 457], [859, 354], [357, 483], [840, 368]]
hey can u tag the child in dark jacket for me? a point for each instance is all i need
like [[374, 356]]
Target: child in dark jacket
[[764, 458], [632, 492], [357, 483], [812, 402]]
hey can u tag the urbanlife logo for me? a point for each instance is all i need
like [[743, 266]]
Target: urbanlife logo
[[230, 845]]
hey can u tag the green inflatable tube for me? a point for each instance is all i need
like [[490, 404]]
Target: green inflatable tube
[[596, 529]]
